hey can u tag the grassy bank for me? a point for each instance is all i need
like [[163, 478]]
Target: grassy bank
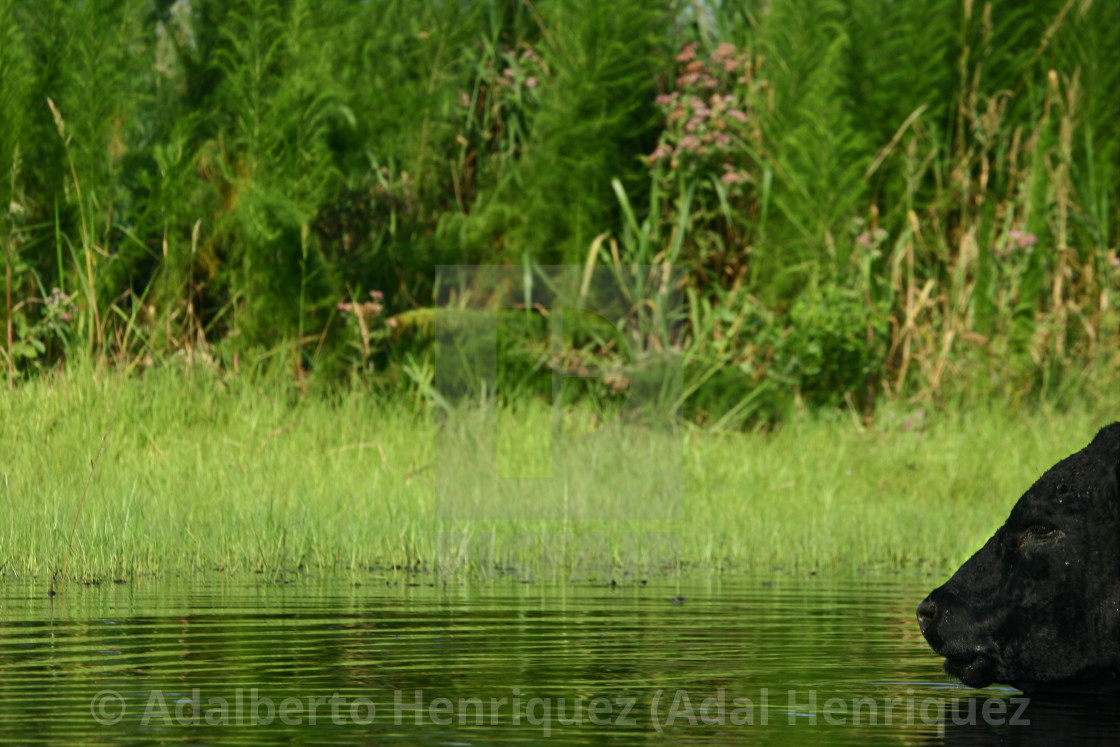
[[199, 474]]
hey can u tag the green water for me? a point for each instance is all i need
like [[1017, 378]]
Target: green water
[[413, 659]]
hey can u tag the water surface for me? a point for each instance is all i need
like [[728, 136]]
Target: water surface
[[782, 658]]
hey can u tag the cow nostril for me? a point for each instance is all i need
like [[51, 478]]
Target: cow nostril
[[927, 611]]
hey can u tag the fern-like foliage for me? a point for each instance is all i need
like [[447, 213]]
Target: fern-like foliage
[[814, 143], [14, 85], [587, 129]]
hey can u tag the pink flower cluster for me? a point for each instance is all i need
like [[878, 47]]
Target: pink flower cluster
[[733, 176], [1022, 239], [369, 308], [867, 239], [1016, 239], [704, 116], [520, 71], [61, 305]]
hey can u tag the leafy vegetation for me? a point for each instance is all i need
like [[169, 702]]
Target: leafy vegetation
[[870, 200]]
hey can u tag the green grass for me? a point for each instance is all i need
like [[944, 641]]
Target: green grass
[[204, 475]]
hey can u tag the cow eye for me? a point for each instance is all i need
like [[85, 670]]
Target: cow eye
[[1041, 531]]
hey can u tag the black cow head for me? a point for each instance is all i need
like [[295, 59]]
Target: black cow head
[[1038, 606]]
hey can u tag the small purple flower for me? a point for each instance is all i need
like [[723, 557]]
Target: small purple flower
[[1016, 239], [724, 51], [689, 142], [688, 79], [735, 177], [737, 115], [531, 82], [377, 295], [864, 239], [687, 53], [663, 99], [508, 72], [1022, 239], [698, 106]]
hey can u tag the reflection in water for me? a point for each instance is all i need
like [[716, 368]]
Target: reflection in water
[[1035, 721], [721, 660]]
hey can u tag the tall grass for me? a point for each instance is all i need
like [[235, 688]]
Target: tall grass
[[201, 474], [937, 180]]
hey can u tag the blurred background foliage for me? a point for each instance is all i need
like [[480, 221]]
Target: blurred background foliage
[[869, 199]]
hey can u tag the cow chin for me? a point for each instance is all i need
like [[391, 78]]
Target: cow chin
[[978, 671]]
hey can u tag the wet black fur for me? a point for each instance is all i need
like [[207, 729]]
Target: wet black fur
[[1038, 606]]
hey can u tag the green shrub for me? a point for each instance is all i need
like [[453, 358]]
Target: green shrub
[[834, 347]]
